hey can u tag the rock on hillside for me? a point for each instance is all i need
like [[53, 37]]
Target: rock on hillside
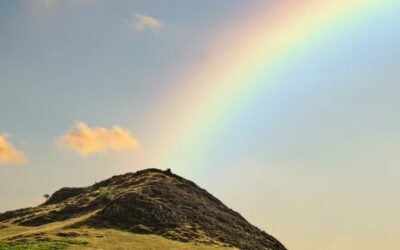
[[150, 202]]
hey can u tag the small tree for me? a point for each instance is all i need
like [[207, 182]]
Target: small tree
[[46, 196]]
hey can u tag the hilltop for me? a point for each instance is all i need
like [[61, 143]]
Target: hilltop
[[148, 209]]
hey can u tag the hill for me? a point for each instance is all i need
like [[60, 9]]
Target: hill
[[148, 209]]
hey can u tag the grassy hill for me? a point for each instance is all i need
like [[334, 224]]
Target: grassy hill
[[149, 209]]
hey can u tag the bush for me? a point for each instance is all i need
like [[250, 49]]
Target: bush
[[104, 195]]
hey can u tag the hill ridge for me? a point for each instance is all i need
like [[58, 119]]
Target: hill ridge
[[149, 201]]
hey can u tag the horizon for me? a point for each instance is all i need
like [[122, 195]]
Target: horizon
[[288, 112]]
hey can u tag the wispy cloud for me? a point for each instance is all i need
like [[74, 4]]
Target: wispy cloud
[[51, 4], [85, 140], [141, 22], [47, 3], [9, 154], [42, 3]]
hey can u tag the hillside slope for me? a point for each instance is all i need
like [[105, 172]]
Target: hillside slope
[[159, 205]]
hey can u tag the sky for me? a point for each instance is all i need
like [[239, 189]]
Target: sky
[[288, 111]]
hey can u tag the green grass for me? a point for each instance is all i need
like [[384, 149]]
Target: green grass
[[13, 237], [106, 239], [109, 239], [39, 245]]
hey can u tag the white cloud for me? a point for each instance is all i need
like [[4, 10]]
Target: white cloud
[[9, 154], [47, 3], [85, 140], [140, 22], [42, 3], [51, 4]]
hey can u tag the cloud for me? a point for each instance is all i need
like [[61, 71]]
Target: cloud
[[51, 4], [9, 154], [47, 3], [85, 140], [42, 3], [140, 22]]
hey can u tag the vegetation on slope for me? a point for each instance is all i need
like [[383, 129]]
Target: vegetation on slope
[[165, 208]]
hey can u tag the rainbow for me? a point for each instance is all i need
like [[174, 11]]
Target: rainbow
[[245, 59]]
